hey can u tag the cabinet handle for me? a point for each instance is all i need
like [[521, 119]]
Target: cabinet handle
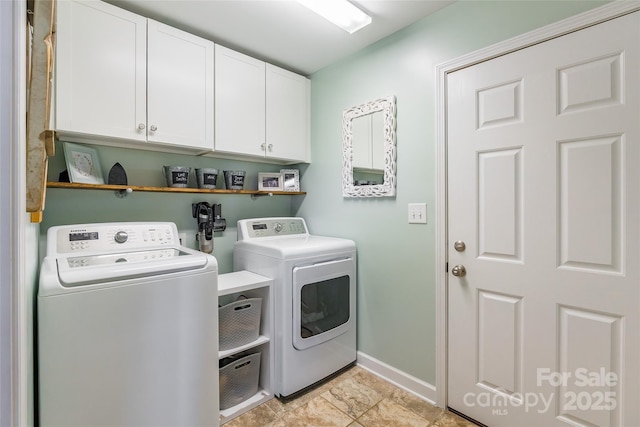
[[141, 126], [270, 147], [154, 128]]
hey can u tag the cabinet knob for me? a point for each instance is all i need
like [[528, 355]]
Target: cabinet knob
[[262, 146], [154, 128], [270, 147], [141, 126]]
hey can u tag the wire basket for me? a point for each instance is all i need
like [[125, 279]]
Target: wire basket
[[239, 322]]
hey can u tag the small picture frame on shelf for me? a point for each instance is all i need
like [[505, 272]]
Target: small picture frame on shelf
[[291, 179], [270, 181], [83, 164]]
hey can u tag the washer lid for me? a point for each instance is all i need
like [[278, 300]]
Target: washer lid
[[90, 269]]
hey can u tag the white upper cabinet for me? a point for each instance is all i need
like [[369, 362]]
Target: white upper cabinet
[[100, 71], [180, 87], [240, 103], [122, 77], [261, 110], [287, 115]]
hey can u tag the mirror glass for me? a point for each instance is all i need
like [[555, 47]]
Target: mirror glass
[[369, 147]]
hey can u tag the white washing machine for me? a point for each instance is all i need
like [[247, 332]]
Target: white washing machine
[[314, 297], [127, 328]]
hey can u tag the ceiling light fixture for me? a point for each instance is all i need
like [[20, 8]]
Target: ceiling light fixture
[[340, 12]]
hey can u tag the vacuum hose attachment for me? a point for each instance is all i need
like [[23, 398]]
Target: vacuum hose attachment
[[203, 213]]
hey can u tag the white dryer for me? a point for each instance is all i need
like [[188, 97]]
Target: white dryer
[[127, 328], [314, 297]]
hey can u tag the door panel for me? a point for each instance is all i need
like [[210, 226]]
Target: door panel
[[500, 342], [500, 204], [543, 169], [582, 191], [578, 330]]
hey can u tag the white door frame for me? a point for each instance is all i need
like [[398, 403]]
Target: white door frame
[[15, 357], [586, 19]]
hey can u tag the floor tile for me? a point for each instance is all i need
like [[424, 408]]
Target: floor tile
[[373, 381], [352, 397], [449, 419], [388, 413], [416, 405], [257, 417], [280, 407], [355, 398], [317, 412]]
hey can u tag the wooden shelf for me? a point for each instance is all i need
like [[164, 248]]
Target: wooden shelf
[[73, 185]]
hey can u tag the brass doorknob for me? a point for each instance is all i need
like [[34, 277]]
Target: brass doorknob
[[459, 271]]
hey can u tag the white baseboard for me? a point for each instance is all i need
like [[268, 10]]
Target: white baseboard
[[421, 389]]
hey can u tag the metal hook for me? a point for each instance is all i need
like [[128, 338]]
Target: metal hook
[[255, 196], [121, 194]]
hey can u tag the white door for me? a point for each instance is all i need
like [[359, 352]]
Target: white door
[[101, 67], [180, 88], [544, 191], [239, 103]]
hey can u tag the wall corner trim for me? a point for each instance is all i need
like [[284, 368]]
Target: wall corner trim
[[413, 385]]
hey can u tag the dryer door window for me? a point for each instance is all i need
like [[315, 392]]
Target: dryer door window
[[324, 302]]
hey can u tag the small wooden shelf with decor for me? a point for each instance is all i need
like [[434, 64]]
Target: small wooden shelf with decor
[[131, 188]]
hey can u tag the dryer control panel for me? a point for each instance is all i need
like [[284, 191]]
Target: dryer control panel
[[270, 227], [111, 237]]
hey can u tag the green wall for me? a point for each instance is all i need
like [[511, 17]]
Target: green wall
[[65, 206], [396, 260]]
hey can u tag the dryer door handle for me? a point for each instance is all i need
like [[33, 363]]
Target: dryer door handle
[[333, 261]]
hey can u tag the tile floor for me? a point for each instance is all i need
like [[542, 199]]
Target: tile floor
[[356, 398]]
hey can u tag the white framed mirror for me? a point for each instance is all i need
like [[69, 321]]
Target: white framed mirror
[[369, 149]]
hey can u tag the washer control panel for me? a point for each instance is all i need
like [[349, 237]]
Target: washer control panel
[[270, 227], [111, 237], [132, 257]]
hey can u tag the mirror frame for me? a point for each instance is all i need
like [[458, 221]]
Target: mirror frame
[[388, 187]]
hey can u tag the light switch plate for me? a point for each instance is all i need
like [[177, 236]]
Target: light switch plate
[[417, 213]]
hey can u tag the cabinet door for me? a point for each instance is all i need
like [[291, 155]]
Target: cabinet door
[[287, 114], [240, 103], [100, 70], [180, 88]]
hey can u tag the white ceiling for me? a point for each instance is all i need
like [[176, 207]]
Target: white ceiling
[[283, 32]]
